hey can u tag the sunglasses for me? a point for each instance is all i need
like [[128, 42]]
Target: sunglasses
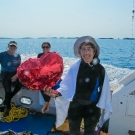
[[45, 47]]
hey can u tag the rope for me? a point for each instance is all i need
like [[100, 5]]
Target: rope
[[82, 126], [15, 114]]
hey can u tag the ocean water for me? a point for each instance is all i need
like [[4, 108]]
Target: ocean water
[[116, 55]]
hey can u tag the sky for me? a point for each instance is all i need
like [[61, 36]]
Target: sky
[[67, 18]]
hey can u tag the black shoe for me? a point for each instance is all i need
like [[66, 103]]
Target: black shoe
[[6, 112]]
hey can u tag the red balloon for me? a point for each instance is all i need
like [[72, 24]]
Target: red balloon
[[35, 73]]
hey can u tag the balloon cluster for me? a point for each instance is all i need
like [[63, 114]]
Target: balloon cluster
[[35, 73]]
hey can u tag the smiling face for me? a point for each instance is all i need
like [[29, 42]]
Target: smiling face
[[87, 52], [12, 49], [46, 48]]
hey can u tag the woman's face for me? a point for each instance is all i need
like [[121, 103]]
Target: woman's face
[[87, 53], [12, 49], [46, 48]]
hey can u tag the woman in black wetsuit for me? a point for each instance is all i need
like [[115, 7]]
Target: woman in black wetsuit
[[46, 46], [86, 86]]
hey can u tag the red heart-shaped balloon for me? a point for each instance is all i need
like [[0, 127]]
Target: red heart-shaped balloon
[[35, 73]]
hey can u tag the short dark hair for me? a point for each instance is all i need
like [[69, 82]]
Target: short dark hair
[[46, 43]]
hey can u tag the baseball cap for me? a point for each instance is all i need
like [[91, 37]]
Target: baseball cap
[[13, 43]]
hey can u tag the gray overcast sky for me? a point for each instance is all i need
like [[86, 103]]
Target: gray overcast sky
[[66, 18]]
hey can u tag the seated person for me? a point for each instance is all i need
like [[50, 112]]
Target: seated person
[[46, 48], [9, 61]]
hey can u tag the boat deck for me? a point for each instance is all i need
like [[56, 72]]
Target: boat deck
[[36, 123]]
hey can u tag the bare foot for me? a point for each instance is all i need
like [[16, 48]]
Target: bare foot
[[45, 107]]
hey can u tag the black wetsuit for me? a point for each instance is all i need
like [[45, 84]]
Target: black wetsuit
[[6, 82], [88, 89], [39, 55]]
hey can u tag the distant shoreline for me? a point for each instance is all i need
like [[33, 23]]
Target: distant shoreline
[[129, 38], [105, 38], [62, 38]]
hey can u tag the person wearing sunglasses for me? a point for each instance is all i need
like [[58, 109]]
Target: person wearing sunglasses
[[10, 61], [46, 46], [84, 91]]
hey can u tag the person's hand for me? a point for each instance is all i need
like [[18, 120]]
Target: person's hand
[[45, 107], [50, 92], [14, 78]]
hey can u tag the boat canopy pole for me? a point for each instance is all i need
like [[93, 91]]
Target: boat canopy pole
[[132, 51]]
